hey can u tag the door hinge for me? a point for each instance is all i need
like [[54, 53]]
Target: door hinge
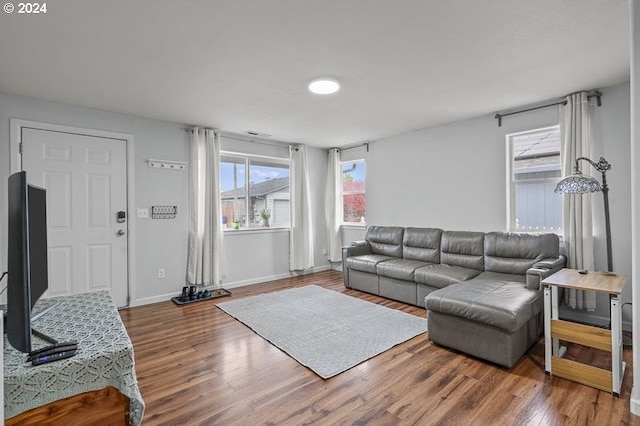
[[20, 147]]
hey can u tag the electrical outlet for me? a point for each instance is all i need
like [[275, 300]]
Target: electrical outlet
[[143, 213], [161, 273]]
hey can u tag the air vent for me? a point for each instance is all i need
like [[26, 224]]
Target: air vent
[[252, 133]]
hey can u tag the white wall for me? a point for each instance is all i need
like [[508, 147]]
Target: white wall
[[451, 176], [611, 128], [634, 8], [252, 256], [350, 233], [156, 243], [454, 177]]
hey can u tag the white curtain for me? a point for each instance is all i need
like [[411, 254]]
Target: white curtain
[[301, 236], [206, 258], [333, 206], [575, 128]]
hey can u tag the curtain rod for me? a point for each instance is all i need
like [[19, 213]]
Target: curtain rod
[[365, 144], [250, 140], [558, 101], [242, 138]]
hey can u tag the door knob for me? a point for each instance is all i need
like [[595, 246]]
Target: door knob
[[120, 233]]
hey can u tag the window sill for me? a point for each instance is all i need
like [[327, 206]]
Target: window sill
[[353, 225], [538, 231], [246, 231]]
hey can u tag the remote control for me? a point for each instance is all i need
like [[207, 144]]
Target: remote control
[[55, 357], [52, 351], [50, 347]]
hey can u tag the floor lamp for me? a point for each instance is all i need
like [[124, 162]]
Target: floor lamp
[[577, 183]]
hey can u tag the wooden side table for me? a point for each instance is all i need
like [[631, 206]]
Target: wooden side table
[[595, 337]]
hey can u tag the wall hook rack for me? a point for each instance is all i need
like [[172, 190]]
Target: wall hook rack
[[166, 164]]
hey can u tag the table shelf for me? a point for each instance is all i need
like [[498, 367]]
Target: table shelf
[[585, 335]]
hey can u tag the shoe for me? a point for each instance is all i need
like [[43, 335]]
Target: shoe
[[184, 296]]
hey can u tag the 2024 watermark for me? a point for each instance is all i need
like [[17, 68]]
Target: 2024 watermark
[[26, 8]]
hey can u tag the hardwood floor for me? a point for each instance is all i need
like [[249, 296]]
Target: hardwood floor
[[197, 365]]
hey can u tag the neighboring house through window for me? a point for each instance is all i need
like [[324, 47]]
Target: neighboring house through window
[[534, 168], [353, 192], [252, 189]]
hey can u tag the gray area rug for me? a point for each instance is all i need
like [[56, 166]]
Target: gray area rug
[[324, 330]]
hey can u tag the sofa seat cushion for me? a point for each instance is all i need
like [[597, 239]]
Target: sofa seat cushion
[[444, 275], [505, 305], [401, 269], [366, 262], [499, 276]]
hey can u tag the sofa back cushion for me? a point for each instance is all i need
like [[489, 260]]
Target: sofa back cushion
[[463, 248], [514, 253], [385, 240], [422, 244]]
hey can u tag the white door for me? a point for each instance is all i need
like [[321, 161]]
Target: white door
[[86, 182]]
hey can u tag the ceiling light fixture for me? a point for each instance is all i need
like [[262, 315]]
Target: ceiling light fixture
[[324, 86]]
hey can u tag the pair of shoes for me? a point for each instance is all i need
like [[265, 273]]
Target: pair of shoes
[[204, 294]]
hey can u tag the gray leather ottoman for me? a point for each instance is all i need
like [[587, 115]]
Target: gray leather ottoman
[[494, 320]]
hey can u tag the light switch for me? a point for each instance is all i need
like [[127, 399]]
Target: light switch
[[143, 213]]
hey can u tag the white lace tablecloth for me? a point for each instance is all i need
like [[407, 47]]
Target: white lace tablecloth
[[104, 358]]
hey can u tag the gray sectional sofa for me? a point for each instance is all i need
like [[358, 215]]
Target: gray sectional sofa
[[481, 290]]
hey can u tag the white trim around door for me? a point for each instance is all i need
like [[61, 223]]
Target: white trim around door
[[16, 126]]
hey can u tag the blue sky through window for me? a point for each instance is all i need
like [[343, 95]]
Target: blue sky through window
[[257, 174], [357, 172]]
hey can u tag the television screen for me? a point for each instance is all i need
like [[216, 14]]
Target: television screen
[[27, 257], [37, 216]]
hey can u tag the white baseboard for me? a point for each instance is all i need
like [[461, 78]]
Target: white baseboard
[[251, 281], [228, 285], [152, 299], [635, 402]]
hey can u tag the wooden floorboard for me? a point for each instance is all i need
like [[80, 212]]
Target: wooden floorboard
[[196, 365]]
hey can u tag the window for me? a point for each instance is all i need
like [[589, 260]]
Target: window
[[353, 192], [534, 170], [254, 191]]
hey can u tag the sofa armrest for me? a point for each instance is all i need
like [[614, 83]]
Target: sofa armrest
[[551, 263], [357, 248], [542, 269]]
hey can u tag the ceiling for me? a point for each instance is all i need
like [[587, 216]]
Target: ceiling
[[243, 65]]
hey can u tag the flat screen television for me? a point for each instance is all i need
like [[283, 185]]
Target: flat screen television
[[27, 257]]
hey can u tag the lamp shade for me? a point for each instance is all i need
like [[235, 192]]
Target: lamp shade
[[578, 183]]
